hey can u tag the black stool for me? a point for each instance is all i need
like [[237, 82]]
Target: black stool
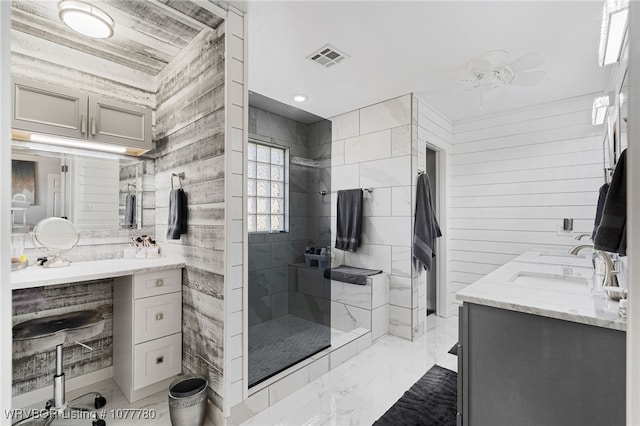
[[42, 333]]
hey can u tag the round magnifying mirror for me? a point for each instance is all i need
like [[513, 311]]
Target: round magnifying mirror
[[54, 235]]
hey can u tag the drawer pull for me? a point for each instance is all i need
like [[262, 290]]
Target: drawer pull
[[160, 316], [159, 282], [160, 360]]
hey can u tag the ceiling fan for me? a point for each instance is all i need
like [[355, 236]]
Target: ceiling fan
[[493, 69]]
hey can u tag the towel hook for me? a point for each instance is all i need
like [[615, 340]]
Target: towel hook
[[180, 176], [129, 185], [420, 172]]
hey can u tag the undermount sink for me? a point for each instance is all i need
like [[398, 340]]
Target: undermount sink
[[556, 258], [536, 279], [560, 254]]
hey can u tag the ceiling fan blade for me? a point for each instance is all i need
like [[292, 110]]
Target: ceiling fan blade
[[526, 62], [530, 78], [479, 65]]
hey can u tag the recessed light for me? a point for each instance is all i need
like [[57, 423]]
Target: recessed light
[[300, 97], [85, 19]]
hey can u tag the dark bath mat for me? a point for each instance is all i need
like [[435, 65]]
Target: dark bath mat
[[431, 401], [454, 350]]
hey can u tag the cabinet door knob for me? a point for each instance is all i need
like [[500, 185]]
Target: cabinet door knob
[[159, 316], [159, 282], [160, 360]]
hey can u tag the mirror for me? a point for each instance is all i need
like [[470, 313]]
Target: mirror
[[53, 236], [623, 110], [94, 193]]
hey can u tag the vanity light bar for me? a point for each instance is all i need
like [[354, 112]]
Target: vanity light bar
[[35, 137]]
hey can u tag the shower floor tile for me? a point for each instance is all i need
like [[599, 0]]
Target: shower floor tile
[[279, 343]]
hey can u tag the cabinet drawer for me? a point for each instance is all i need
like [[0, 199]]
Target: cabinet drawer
[[157, 316], [155, 283], [157, 360]]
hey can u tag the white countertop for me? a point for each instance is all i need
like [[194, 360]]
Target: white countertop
[[37, 276], [543, 295]]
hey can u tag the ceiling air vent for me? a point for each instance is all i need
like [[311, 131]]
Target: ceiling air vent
[[327, 56]]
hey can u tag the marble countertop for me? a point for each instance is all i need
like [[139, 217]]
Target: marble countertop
[[37, 276], [549, 284]]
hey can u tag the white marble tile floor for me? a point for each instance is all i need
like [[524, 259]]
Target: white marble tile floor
[[359, 391], [150, 411]]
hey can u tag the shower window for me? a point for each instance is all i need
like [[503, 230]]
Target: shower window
[[268, 188]]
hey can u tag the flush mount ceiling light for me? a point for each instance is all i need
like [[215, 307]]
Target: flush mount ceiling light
[[85, 19], [601, 106], [300, 97], [614, 26]]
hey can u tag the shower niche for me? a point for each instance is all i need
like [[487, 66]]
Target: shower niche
[[289, 211]]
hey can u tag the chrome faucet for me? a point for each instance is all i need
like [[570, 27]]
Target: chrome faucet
[[610, 272], [582, 235]]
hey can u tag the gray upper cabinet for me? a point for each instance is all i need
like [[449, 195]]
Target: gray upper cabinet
[[43, 108], [119, 123]]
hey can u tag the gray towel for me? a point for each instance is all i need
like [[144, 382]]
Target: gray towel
[[349, 220], [611, 235], [177, 214], [602, 195], [350, 274], [426, 228], [130, 211]]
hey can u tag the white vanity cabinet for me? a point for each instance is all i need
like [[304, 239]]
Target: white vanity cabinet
[[147, 331], [44, 108]]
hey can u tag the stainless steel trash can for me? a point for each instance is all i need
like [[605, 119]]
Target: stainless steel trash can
[[188, 400]]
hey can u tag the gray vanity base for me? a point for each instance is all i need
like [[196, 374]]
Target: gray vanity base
[[523, 369]]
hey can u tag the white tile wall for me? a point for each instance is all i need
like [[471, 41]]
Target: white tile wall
[[372, 146], [401, 141], [379, 322], [401, 197], [319, 367], [371, 256], [236, 300], [400, 291], [351, 294], [400, 321], [389, 172], [288, 385], [235, 347], [378, 204], [345, 177], [379, 290], [345, 126], [375, 144], [347, 317], [386, 115]]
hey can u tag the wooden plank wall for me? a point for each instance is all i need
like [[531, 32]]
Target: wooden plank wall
[[33, 370], [515, 177], [189, 138]]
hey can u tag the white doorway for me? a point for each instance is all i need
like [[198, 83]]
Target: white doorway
[[432, 275], [54, 195]]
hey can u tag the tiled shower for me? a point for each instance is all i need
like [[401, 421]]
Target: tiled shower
[[287, 326]]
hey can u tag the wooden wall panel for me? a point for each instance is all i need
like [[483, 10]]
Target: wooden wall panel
[[35, 370], [516, 175], [189, 138]]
